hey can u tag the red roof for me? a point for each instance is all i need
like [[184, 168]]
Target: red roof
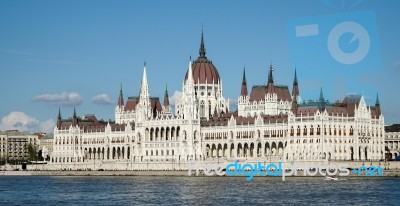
[[204, 70], [131, 103], [259, 92]]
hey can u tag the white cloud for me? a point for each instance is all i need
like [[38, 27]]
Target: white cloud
[[47, 126], [102, 99], [175, 97], [20, 121], [63, 99]]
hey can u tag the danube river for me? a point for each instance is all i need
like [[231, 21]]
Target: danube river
[[150, 190]]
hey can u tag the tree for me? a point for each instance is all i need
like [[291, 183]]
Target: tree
[[32, 152]]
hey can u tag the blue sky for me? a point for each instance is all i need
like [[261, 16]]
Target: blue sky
[[56, 54]]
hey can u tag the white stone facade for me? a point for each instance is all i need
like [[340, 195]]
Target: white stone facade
[[147, 136]]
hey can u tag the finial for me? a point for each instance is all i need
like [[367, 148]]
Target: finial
[[144, 62]]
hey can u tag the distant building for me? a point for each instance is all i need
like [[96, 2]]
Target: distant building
[[13, 146], [392, 141], [46, 146], [271, 124]]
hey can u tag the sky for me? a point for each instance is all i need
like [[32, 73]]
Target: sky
[[66, 54]]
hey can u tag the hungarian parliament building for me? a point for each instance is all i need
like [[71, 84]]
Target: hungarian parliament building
[[271, 124]]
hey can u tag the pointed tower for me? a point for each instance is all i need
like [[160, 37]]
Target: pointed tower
[[188, 101], [74, 118], [120, 107], [120, 98], [144, 88], [190, 81], [202, 50], [166, 107], [377, 106], [59, 119], [295, 90], [166, 98], [243, 91], [321, 102], [270, 85], [143, 108]]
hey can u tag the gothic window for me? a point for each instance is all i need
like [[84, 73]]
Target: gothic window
[[298, 131]]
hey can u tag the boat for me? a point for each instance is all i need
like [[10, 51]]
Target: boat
[[331, 177]]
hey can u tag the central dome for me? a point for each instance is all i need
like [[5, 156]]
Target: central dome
[[203, 69]]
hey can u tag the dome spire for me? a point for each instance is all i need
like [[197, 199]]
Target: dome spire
[[202, 50]]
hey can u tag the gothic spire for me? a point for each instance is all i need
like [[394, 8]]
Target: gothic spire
[[190, 72], [377, 106], [121, 97], [295, 90], [322, 101], [59, 114], [74, 116], [377, 99], [244, 76], [243, 91], [166, 99], [270, 85], [202, 50], [270, 77], [59, 120], [144, 88]]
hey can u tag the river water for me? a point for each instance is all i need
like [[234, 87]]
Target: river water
[[151, 190]]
